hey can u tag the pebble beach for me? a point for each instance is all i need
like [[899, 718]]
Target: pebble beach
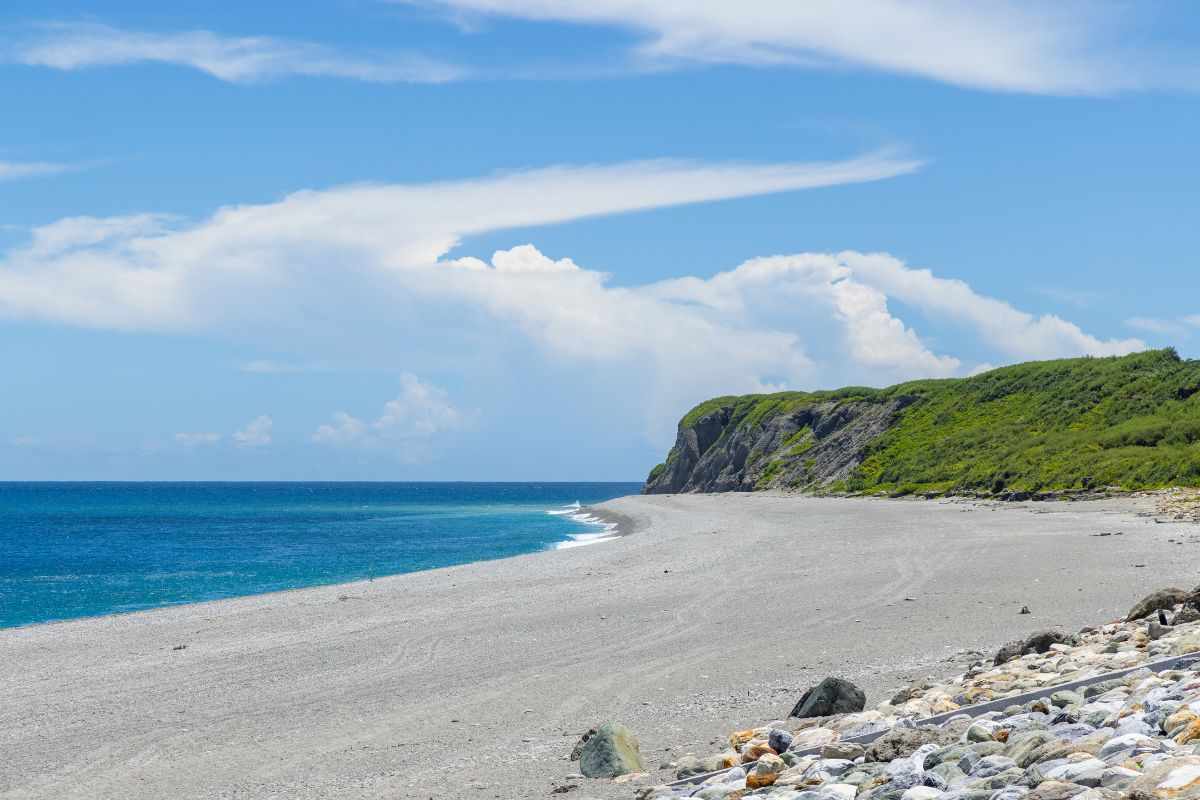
[[711, 615]]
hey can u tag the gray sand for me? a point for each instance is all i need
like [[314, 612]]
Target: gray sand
[[713, 615]]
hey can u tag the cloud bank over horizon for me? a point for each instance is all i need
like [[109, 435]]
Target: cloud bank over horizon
[[378, 271]]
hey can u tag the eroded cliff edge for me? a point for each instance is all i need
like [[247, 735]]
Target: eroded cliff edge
[[1070, 425]]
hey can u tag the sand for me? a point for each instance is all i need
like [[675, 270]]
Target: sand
[[713, 613]]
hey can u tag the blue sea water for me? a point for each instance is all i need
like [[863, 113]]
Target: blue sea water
[[82, 549]]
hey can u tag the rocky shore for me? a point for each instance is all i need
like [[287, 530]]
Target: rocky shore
[[1135, 736]]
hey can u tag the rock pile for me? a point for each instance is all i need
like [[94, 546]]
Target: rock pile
[[1135, 737]]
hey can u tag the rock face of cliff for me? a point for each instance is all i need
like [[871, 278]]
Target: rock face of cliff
[[1040, 429], [807, 447]]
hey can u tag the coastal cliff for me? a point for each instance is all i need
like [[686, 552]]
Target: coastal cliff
[[1035, 429]]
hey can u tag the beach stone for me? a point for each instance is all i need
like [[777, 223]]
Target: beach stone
[[950, 774], [837, 791], [1118, 777], [1010, 793], [900, 743], [610, 752], [1186, 644], [1086, 773], [846, 750], [1097, 793], [766, 770], [920, 793], [1036, 642], [1021, 745], [1164, 598], [1066, 697], [1097, 689], [1129, 743], [812, 737], [988, 766], [1000, 780], [1061, 748], [1055, 790], [1175, 778], [832, 695], [1186, 614], [779, 740], [1156, 630]]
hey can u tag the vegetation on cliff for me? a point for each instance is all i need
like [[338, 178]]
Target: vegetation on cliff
[[1130, 421]]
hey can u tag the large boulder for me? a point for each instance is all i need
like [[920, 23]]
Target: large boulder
[[611, 751], [1164, 598], [830, 696], [1036, 642]]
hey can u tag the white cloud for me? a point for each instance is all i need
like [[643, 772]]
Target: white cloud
[[366, 270], [1179, 327], [256, 433], [419, 411], [1072, 46], [142, 272], [1015, 333], [245, 59], [195, 439], [15, 170], [1163, 327]]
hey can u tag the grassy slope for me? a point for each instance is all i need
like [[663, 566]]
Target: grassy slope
[[1132, 421]]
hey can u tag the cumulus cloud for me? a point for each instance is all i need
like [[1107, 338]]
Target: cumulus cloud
[[1008, 330], [372, 266], [154, 272], [245, 59], [256, 433], [1073, 46], [419, 411]]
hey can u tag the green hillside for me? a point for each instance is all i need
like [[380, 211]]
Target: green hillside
[[1131, 421]]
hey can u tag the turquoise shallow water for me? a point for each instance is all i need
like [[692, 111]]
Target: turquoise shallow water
[[82, 549]]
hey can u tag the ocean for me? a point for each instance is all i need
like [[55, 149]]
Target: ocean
[[71, 550]]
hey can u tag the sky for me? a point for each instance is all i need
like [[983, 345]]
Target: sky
[[518, 239]]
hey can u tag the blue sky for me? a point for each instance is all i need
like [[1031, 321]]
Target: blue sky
[[516, 239]]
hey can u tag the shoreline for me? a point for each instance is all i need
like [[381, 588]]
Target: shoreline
[[624, 526], [715, 617]]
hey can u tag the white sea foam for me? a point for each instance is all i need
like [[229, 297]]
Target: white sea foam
[[570, 508], [607, 532]]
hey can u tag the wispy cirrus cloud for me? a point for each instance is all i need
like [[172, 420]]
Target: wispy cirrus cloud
[[1181, 327], [235, 59], [15, 170], [1067, 47]]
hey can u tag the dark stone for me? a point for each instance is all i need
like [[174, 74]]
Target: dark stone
[[779, 741], [1188, 613], [1036, 642], [898, 743], [1009, 651], [1163, 598], [830, 696]]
